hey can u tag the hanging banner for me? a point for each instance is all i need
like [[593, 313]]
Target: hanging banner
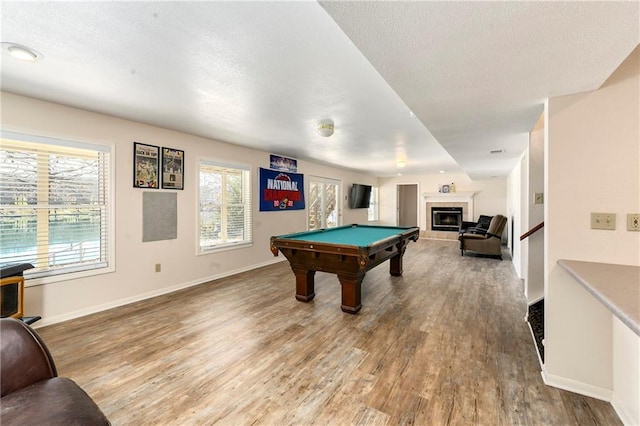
[[281, 190]]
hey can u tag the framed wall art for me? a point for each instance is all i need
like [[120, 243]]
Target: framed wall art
[[146, 166], [172, 168]]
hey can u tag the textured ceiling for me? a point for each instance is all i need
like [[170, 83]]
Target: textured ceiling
[[262, 74]]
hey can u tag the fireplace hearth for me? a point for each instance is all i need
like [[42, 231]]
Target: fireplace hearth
[[446, 218]]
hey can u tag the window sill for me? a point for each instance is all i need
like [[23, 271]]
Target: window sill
[[224, 247], [35, 279]]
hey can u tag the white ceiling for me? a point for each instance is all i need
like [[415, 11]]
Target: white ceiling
[[262, 74]]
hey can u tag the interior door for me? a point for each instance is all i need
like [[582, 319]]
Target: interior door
[[408, 205], [324, 203]]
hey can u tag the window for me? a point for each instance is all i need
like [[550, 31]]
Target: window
[[372, 213], [55, 205], [225, 206]]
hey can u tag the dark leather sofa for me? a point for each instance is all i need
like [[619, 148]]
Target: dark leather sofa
[[32, 393], [479, 227]]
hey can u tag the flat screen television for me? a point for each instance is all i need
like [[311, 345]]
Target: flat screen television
[[359, 196]]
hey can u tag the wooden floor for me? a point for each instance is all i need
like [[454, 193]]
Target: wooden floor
[[446, 343]]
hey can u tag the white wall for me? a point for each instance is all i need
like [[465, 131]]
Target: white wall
[[592, 157], [135, 277], [491, 198], [534, 277], [515, 182]]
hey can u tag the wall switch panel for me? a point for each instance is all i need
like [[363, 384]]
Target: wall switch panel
[[603, 221], [633, 221], [538, 198]]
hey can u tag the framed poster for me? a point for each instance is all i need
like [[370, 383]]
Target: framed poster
[[146, 164], [284, 164], [172, 168]]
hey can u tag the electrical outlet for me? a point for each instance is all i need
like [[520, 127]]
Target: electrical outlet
[[603, 221], [158, 267], [633, 221]]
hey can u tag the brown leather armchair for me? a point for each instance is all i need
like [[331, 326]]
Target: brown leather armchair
[[489, 242], [32, 392]]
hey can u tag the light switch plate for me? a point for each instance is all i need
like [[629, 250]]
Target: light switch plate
[[633, 221], [538, 198], [603, 221]]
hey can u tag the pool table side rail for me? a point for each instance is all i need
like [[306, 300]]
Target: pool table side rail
[[285, 241]]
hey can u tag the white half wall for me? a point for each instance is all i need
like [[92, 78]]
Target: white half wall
[[592, 164]]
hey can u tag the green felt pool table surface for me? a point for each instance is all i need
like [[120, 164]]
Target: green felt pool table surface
[[355, 235]]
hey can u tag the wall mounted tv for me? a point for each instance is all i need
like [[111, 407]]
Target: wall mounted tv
[[359, 196]]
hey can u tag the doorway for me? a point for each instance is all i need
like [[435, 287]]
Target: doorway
[[408, 204], [324, 206]]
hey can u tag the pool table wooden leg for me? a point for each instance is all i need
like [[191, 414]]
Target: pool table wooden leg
[[305, 284], [395, 263], [351, 292]]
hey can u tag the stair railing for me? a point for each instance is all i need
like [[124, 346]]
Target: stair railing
[[532, 231]]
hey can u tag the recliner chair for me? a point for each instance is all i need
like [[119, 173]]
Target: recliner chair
[[31, 391], [479, 227], [489, 242]]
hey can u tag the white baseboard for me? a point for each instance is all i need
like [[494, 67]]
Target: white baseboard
[[576, 386], [622, 412], [121, 302]]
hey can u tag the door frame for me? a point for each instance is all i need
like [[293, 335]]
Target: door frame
[[417, 185], [324, 181]]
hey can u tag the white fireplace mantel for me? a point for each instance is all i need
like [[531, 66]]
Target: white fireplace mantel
[[452, 197]]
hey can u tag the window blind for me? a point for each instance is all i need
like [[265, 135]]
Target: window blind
[[54, 204], [225, 205]]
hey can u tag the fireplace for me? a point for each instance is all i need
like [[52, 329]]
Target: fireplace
[[446, 218]]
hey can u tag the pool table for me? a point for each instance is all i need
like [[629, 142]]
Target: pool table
[[348, 251]]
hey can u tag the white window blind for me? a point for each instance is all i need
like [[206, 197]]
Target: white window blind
[[225, 206], [54, 204]]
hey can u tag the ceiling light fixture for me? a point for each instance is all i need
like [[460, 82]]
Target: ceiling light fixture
[[401, 163], [442, 171], [22, 53], [325, 127]]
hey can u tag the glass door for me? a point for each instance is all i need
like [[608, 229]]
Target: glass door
[[324, 203]]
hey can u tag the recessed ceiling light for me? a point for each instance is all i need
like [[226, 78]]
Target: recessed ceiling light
[[399, 174], [401, 163], [22, 53], [442, 171]]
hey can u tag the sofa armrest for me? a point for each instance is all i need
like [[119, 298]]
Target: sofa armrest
[[24, 358], [464, 224], [55, 402]]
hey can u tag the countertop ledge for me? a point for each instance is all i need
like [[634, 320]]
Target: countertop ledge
[[615, 286]]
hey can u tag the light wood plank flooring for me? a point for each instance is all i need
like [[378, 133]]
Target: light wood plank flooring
[[446, 343]]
